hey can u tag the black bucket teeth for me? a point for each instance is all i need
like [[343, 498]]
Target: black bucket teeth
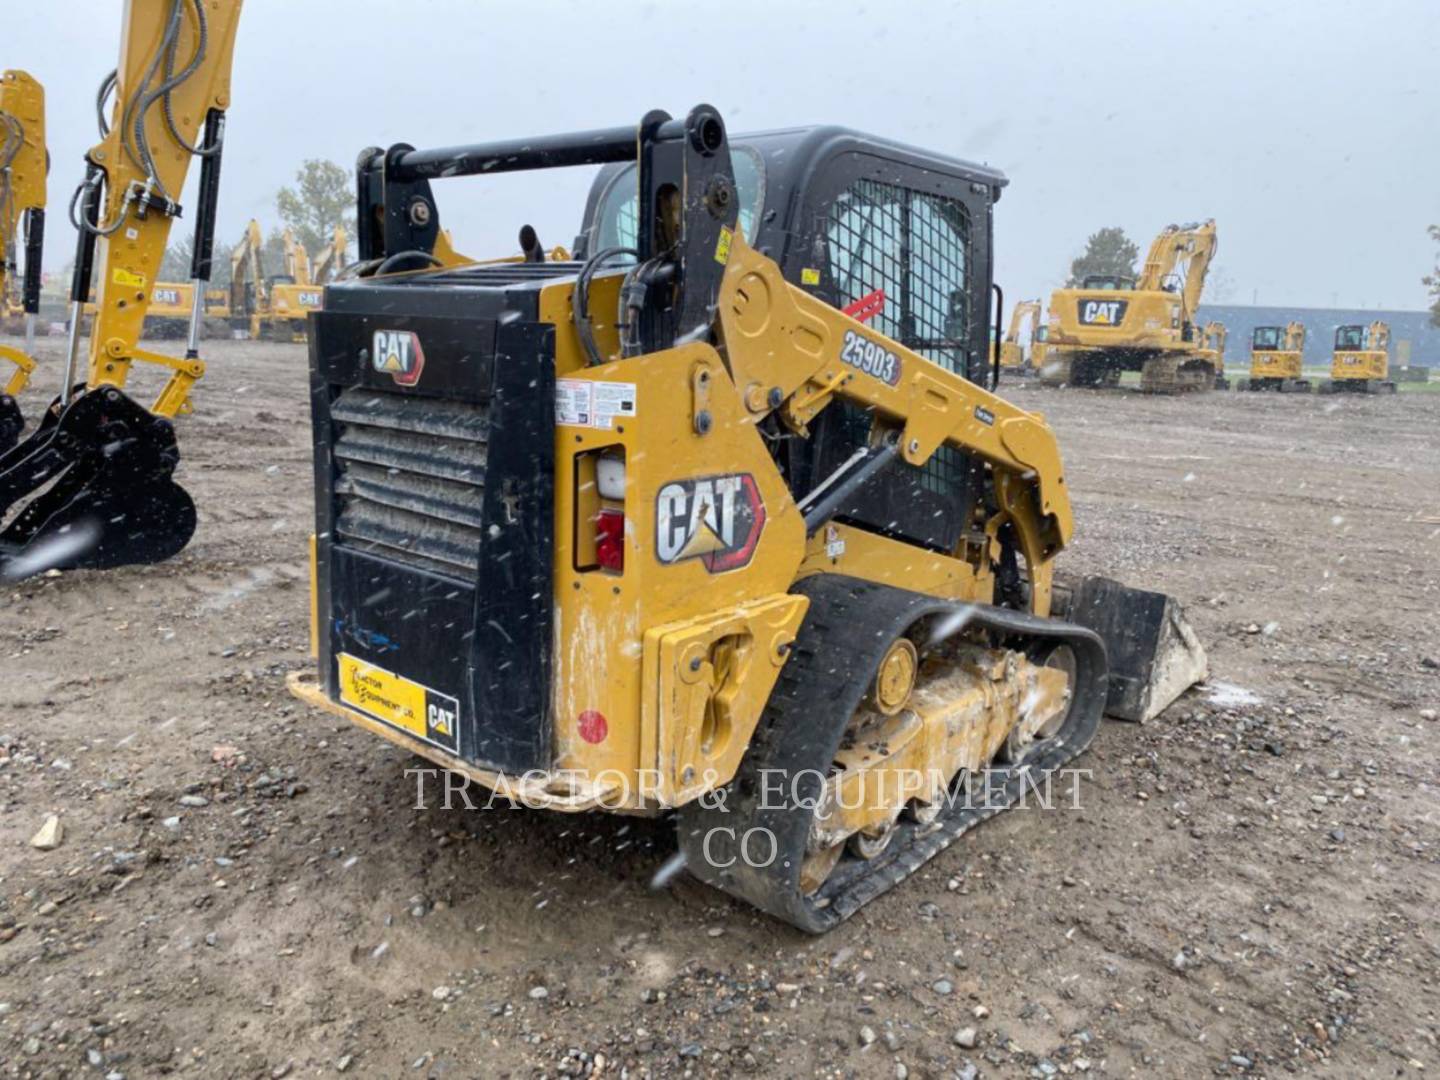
[[92, 487]]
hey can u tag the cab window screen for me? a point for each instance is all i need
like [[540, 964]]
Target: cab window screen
[[915, 246]]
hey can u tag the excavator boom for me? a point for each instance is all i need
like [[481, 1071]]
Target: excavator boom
[[23, 165], [93, 485]]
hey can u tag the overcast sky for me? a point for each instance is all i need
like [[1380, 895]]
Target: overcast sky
[[1309, 130]]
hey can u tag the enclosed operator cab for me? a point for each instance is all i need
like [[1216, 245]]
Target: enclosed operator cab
[[1361, 360], [1276, 357]]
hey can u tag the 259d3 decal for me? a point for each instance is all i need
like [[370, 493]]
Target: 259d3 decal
[[716, 519]]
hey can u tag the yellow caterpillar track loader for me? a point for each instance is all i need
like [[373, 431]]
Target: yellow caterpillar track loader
[[1013, 355], [1277, 355], [23, 168], [93, 484], [1361, 361], [661, 526], [1110, 325]]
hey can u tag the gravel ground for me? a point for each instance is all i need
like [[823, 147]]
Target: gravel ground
[[244, 889]]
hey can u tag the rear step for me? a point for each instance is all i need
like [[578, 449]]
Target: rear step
[[1154, 654]]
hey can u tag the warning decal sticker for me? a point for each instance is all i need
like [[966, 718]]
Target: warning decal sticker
[[583, 403]]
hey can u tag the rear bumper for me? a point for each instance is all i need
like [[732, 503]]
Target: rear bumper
[[565, 790]]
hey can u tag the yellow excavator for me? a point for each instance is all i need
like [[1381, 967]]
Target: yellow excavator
[[93, 485], [170, 305], [23, 167], [294, 294], [1360, 363], [1211, 339], [1277, 356], [660, 525], [1014, 357], [267, 306], [1111, 324], [329, 263]]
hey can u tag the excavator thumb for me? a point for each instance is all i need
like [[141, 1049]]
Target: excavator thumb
[[1154, 654], [92, 487]]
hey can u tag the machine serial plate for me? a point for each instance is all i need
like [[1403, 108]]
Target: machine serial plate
[[395, 700]]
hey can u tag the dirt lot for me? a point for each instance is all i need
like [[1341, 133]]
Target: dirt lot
[[245, 890]]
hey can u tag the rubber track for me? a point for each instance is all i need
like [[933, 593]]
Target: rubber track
[[849, 626]]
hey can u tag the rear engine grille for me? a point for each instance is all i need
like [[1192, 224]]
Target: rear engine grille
[[410, 478]]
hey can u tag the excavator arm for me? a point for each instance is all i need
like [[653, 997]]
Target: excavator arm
[[171, 86], [1182, 252], [94, 482], [247, 279], [297, 260], [329, 264], [23, 165]]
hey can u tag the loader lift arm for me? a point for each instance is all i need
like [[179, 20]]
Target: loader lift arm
[[23, 165], [97, 473]]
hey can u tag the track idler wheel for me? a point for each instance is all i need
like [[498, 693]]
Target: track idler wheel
[[92, 487]]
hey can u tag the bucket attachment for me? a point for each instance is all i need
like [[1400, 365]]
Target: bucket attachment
[[11, 422], [1154, 654], [97, 475]]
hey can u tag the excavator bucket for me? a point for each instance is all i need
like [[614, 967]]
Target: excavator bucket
[[1154, 654], [92, 487]]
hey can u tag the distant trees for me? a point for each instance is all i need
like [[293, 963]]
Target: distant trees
[[1433, 280], [1108, 251], [176, 264], [323, 197]]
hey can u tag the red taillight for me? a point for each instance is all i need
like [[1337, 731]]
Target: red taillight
[[610, 540], [593, 726]]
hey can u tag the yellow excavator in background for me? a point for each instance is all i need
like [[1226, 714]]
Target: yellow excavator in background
[[171, 303], [248, 304], [1361, 361], [293, 295], [332, 261], [659, 526], [1014, 357], [1277, 357], [24, 164], [1109, 325], [271, 307], [1212, 338]]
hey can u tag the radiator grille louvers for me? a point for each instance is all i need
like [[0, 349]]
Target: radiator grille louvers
[[410, 478]]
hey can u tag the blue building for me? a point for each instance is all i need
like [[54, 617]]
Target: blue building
[[1320, 324]]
